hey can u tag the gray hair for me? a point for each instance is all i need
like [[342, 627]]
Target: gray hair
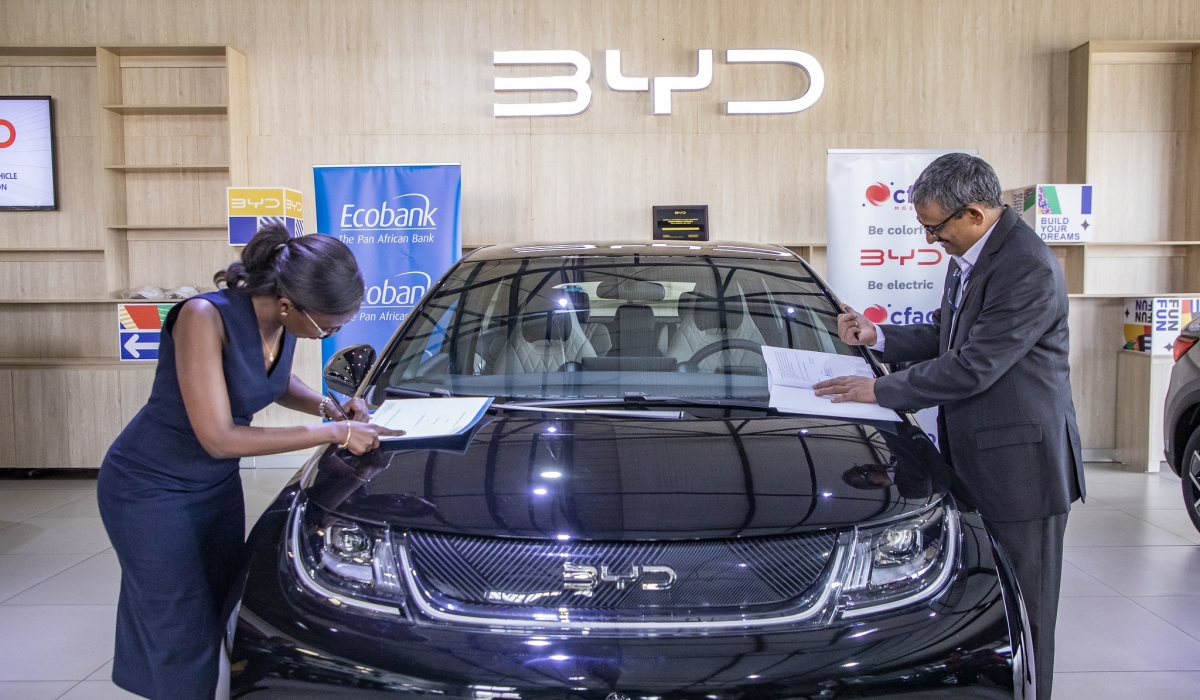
[[955, 180]]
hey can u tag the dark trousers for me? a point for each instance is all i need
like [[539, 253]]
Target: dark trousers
[[1034, 549]]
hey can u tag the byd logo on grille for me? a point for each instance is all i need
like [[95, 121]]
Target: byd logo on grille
[[584, 580], [663, 86]]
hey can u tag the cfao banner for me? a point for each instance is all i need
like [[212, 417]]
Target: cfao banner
[[878, 259], [403, 224]]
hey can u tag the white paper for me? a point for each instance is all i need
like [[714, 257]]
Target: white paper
[[425, 418], [791, 375]]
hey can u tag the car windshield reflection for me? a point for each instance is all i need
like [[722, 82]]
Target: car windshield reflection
[[605, 327]]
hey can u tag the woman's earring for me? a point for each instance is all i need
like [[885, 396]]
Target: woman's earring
[[283, 313]]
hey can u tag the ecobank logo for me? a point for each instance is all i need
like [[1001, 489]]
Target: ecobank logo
[[881, 193], [661, 87], [414, 213], [403, 289]]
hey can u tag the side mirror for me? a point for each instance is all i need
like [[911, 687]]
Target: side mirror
[[348, 367]]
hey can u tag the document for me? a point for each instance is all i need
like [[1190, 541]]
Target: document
[[426, 418], [791, 375]]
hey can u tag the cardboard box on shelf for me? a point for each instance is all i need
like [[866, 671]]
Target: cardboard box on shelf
[[1058, 213]]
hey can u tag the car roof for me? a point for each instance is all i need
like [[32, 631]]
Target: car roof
[[723, 249]]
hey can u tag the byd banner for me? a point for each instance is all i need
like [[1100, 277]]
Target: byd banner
[[878, 259], [403, 224]]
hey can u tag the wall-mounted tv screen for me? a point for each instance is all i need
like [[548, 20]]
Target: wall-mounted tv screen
[[27, 177]]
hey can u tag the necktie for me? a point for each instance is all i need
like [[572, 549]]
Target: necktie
[[953, 287]]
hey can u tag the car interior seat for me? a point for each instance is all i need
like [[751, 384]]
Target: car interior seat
[[705, 317], [548, 336]]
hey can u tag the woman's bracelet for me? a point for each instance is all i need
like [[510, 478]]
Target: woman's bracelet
[[321, 408], [346, 444]]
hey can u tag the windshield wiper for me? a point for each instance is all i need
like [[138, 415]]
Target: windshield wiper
[[639, 398], [415, 393], [556, 407]]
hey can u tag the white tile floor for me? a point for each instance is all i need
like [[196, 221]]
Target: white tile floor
[[1129, 622]]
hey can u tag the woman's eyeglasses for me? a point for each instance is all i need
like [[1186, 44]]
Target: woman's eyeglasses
[[323, 332]]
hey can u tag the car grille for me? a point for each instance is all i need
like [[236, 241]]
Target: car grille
[[618, 579]]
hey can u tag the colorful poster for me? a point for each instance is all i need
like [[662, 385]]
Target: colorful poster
[[1057, 213], [139, 327], [251, 208], [879, 261], [1152, 324], [403, 223]]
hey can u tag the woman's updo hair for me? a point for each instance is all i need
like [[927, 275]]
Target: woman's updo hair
[[317, 273]]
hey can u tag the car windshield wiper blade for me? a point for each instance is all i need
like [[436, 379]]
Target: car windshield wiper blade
[[415, 393], [555, 407]]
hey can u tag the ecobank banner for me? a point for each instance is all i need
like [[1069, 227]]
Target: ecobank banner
[[403, 224], [878, 259]]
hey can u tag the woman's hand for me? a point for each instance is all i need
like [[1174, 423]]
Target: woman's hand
[[357, 410], [360, 437]]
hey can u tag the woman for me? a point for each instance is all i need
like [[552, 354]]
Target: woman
[[169, 490]]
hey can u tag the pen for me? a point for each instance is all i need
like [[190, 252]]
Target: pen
[[329, 395]]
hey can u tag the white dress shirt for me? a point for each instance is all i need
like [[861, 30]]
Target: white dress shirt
[[966, 262]]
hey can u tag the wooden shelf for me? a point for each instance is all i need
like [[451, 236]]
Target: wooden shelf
[[168, 168], [1137, 244], [167, 227], [167, 109], [38, 362], [19, 302], [1137, 295], [167, 51], [51, 250]]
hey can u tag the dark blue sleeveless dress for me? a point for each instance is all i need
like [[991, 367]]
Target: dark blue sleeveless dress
[[176, 518]]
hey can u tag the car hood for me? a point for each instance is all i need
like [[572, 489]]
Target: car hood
[[546, 475]]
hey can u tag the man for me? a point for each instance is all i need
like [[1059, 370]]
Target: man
[[995, 361]]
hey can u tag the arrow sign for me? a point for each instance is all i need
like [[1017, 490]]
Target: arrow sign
[[139, 345]]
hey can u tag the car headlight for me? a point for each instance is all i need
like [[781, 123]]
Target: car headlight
[[344, 562], [900, 563]]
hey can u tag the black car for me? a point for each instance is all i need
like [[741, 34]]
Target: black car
[[630, 519]]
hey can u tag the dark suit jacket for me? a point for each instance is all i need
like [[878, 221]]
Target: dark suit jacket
[[1007, 421]]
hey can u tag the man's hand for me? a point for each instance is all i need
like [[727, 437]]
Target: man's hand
[[856, 329], [851, 388]]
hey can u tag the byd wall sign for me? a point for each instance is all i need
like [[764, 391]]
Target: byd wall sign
[[663, 86]]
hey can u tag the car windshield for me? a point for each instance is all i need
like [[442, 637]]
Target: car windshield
[[599, 327]]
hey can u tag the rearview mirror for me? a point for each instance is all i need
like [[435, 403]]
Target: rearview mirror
[[348, 367]]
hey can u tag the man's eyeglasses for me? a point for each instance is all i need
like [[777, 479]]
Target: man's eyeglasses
[[323, 332], [932, 230]]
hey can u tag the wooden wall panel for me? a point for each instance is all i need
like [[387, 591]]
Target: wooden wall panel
[[176, 198], [1134, 271], [58, 330], [41, 428], [75, 222], [143, 84], [1096, 338], [1142, 176], [8, 447], [52, 280], [176, 140], [134, 384], [93, 415], [174, 263]]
